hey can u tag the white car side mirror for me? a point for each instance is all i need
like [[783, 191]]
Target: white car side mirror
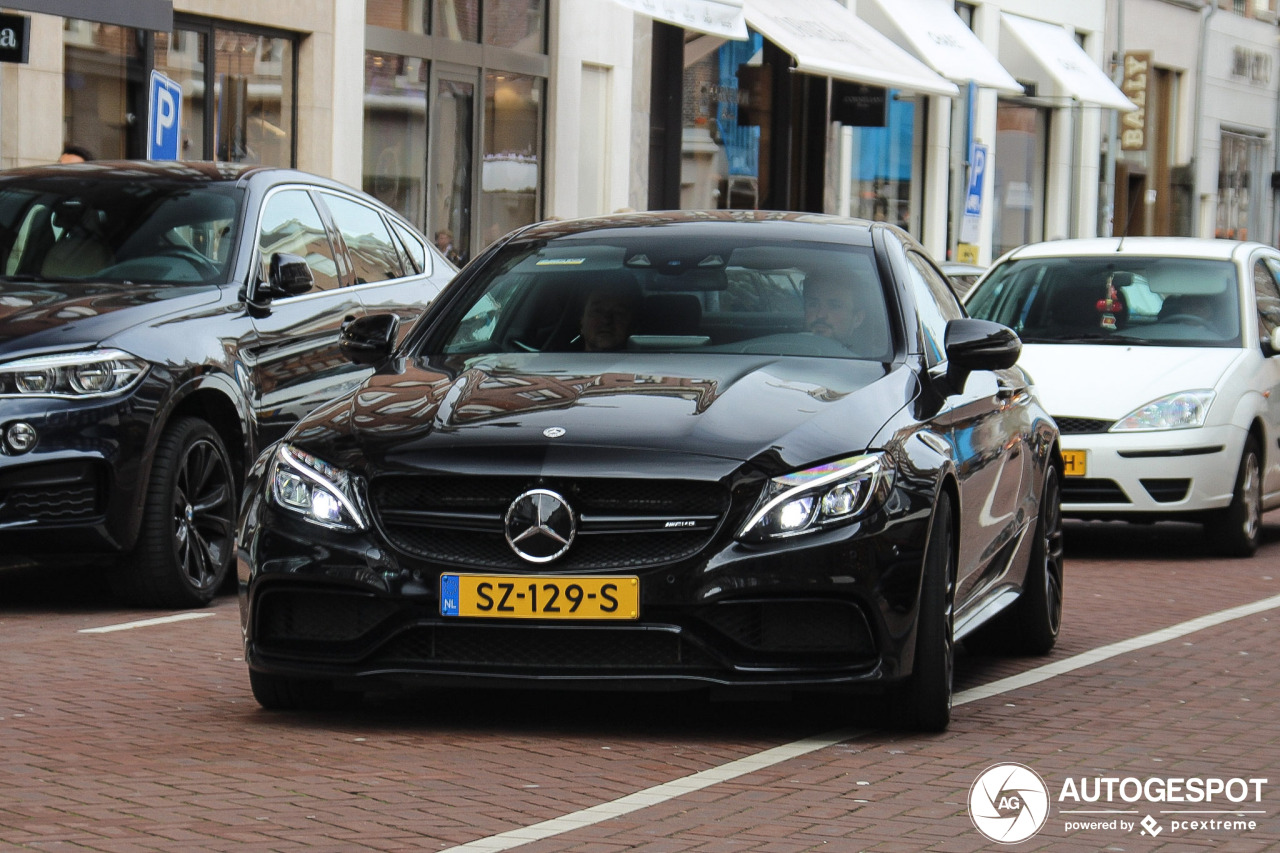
[[1275, 341]]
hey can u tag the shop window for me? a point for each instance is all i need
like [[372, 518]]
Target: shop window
[[516, 24], [251, 74], [452, 161], [100, 60], [882, 165], [395, 132], [509, 171], [1022, 134], [726, 104], [254, 98], [1239, 159], [458, 20]]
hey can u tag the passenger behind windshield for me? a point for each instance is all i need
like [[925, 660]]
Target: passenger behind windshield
[[608, 315]]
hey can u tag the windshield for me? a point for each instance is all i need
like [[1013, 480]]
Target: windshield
[[645, 290], [1122, 300], [69, 229]]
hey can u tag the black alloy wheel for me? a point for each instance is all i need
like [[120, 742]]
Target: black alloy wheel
[[185, 545], [924, 702]]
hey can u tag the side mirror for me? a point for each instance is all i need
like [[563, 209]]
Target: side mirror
[[978, 345], [370, 339], [1275, 342], [289, 275]]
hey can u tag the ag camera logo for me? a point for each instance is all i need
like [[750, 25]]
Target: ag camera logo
[[1008, 803]]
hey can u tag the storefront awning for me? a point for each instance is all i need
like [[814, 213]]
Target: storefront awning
[[717, 17], [826, 38], [1047, 53], [156, 15], [934, 34]]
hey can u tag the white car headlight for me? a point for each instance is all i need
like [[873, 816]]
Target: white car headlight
[[74, 375], [1183, 410], [819, 497], [316, 490]]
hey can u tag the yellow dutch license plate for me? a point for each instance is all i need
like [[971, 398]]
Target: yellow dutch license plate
[[540, 597], [1074, 463]]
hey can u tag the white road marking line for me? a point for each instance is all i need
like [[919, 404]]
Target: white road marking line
[[145, 623], [659, 794]]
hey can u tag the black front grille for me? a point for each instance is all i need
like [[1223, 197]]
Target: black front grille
[[459, 520], [1089, 491], [1082, 426], [58, 493], [546, 649], [1167, 491]]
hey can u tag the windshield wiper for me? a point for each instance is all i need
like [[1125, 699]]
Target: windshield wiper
[[37, 279], [1096, 338]]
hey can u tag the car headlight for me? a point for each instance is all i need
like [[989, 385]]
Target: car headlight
[[316, 490], [1183, 410], [819, 497], [75, 375]]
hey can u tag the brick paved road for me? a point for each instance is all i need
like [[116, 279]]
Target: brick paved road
[[148, 739]]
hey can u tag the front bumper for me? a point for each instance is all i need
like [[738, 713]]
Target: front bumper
[[837, 609], [1167, 473], [77, 492]]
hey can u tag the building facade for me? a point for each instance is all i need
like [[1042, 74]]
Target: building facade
[[977, 126]]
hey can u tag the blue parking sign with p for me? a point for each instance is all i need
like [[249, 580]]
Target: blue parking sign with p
[[164, 118]]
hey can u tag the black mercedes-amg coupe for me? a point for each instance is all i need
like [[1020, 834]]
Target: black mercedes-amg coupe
[[663, 450]]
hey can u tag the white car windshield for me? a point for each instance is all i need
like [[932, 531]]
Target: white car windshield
[[1121, 300]]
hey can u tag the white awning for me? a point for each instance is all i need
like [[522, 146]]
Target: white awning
[[827, 39], [934, 34], [1048, 54], [717, 17]]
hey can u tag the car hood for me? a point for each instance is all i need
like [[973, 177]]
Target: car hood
[[544, 412], [1109, 382], [48, 315]]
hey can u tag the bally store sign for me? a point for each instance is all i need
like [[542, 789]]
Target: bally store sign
[[15, 38]]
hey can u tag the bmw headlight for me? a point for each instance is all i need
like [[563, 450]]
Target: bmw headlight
[[316, 490], [1183, 410], [819, 497], [75, 375]]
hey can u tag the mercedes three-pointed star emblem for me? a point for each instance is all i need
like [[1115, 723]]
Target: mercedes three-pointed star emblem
[[540, 526]]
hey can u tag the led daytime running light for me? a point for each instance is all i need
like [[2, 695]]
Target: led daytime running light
[[333, 480]]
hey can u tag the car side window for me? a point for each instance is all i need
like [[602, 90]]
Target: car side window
[[936, 303], [291, 223], [373, 251], [1266, 274], [414, 248]]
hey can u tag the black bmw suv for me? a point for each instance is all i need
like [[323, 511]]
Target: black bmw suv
[[159, 324]]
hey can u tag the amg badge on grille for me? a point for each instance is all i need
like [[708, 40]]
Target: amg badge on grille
[[540, 526]]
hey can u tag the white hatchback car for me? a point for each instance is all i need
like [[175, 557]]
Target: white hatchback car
[[1160, 359]]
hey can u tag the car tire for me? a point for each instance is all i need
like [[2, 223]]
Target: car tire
[[1030, 625], [186, 542], [924, 702], [1237, 530], [283, 693]]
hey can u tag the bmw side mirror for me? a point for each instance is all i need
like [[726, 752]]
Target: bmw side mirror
[[289, 275], [978, 345], [371, 339]]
